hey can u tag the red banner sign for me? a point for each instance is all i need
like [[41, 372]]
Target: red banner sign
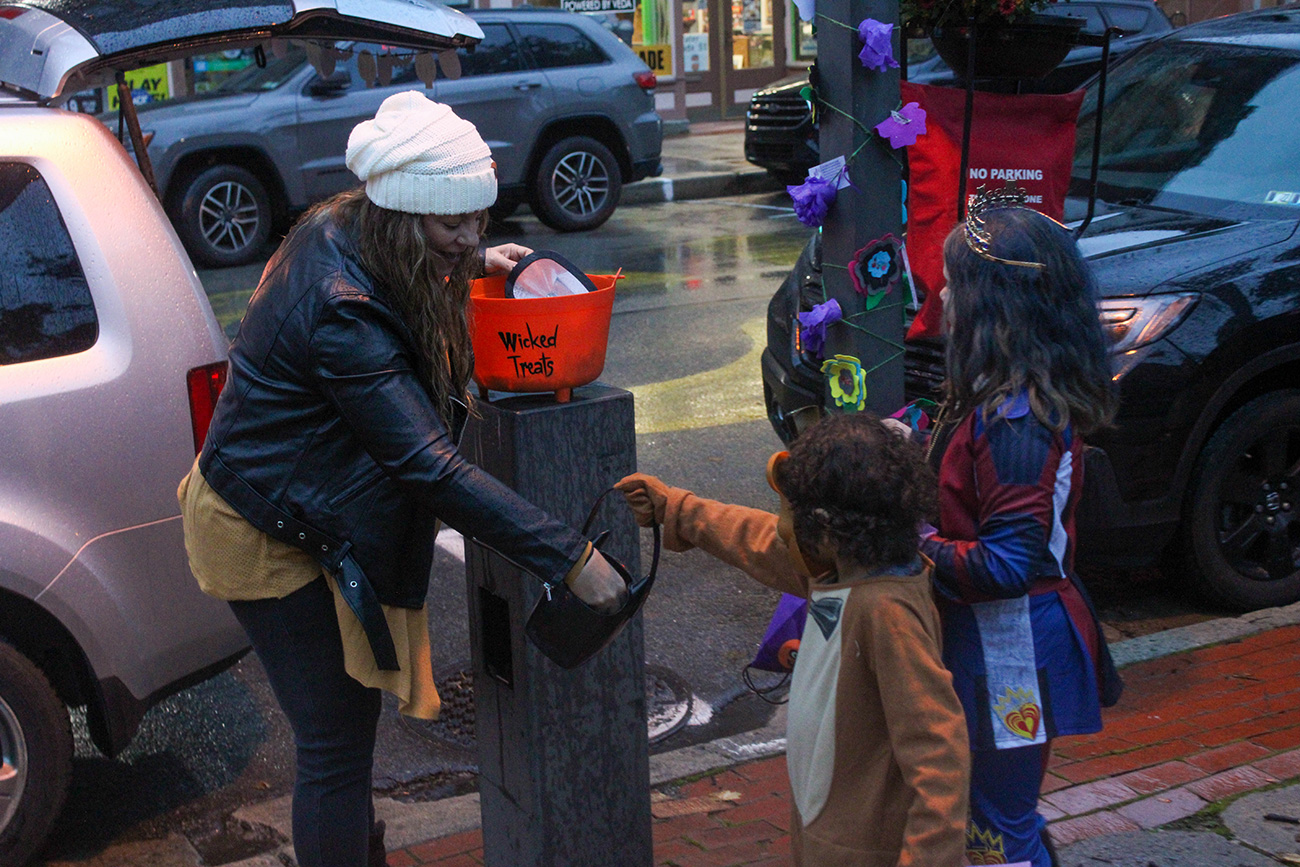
[[1025, 139]]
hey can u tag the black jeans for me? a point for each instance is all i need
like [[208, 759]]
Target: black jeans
[[334, 719]]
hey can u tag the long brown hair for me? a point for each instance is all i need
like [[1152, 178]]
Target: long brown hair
[[393, 248], [1026, 331]]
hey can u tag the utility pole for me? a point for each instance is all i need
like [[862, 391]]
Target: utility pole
[[869, 210]]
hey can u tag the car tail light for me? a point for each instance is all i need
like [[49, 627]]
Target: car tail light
[[646, 79], [9, 13], [204, 385]]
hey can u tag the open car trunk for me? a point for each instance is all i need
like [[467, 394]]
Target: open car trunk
[[50, 49]]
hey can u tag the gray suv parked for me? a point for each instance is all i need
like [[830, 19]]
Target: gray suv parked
[[110, 364], [566, 107]]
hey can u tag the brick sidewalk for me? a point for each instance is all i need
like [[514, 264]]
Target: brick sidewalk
[[1192, 729]]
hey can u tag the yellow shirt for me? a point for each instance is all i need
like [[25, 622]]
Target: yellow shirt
[[235, 561]]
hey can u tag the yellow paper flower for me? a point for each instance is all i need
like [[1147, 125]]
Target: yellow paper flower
[[847, 380]]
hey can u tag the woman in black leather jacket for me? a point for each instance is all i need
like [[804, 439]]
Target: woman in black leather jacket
[[332, 458]]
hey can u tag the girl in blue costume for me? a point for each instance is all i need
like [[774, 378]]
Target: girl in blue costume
[[1027, 377]]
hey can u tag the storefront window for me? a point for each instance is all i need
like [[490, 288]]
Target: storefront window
[[212, 69], [645, 25], [751, 34], [803, 44], [695, 35]]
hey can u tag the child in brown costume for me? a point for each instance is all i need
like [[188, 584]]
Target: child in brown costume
[[876, 741]]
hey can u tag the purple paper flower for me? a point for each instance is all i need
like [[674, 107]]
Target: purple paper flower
[[812, 199], [812, 325], [903, 126], [877, 47]]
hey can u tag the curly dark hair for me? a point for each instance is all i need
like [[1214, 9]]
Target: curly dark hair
[[855, 485]]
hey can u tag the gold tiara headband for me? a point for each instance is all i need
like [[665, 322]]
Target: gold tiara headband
[[977, 234]]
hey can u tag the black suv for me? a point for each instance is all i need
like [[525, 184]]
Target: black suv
[[1195, 251], [780, 134]]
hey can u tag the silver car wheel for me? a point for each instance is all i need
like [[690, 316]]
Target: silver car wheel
[[580, 184], [229, 216], [13, 764], [577, 185]]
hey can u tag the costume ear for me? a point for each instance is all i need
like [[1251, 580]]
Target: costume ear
[[772, 463]]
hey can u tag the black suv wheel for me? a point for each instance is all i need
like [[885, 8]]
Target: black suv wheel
[[1240, 531], [224, 216], [577, 186]]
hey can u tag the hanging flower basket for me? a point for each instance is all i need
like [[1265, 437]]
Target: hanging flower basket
[[1031, 47]]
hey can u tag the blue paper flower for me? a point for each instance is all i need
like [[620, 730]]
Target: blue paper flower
[[877, 46], [812, 199], [903, 126], [812, 325]]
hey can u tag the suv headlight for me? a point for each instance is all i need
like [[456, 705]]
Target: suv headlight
[[1131, 323]]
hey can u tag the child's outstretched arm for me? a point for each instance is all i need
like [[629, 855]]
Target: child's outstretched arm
[[737, 535]]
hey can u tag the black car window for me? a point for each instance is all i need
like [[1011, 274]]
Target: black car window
[[553, 45], [1205, 126], [45, 304], [497, 52], [121, 25], [1129, 19], [1091, 15]]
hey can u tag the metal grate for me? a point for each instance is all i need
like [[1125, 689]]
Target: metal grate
[[767, 112], [923, 369], [455, 723], [769, 151], [668, 707]]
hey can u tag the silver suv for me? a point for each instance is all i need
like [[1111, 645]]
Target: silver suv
[[566, 107], [110, 363]]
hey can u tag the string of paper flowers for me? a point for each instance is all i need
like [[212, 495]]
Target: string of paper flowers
[[878, 268]]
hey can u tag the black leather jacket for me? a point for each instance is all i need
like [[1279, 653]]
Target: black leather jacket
[[325, 437]]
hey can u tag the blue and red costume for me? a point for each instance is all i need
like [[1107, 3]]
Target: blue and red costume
[[1020, 637]]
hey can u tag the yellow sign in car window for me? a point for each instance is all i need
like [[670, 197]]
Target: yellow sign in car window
[[149, 84]]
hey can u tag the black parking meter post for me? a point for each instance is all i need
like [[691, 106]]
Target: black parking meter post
[[564, 776]]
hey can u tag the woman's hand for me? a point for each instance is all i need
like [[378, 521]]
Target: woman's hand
[[598, 585], [647, 496], [500, 259]]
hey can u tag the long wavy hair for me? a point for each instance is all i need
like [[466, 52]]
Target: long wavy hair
[[393, 248], [1014, 330]]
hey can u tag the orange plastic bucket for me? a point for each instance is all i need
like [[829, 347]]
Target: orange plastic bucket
[[539, 344]]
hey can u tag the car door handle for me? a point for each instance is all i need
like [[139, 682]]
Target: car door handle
[[527, 85]]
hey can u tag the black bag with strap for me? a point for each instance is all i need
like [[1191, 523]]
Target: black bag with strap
[[566, 629]]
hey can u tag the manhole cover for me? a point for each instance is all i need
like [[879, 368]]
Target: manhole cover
[[668, 707], [455, 724], [668, 702]]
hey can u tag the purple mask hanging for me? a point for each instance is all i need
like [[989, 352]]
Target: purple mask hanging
[[785, 627]]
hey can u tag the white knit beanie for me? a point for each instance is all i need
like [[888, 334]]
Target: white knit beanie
[[417, 156]]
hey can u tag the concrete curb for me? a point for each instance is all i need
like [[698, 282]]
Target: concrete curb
[[1196, 635], [702, 186]]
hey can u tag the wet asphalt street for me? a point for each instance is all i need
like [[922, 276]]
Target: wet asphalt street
[[686, 335]]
